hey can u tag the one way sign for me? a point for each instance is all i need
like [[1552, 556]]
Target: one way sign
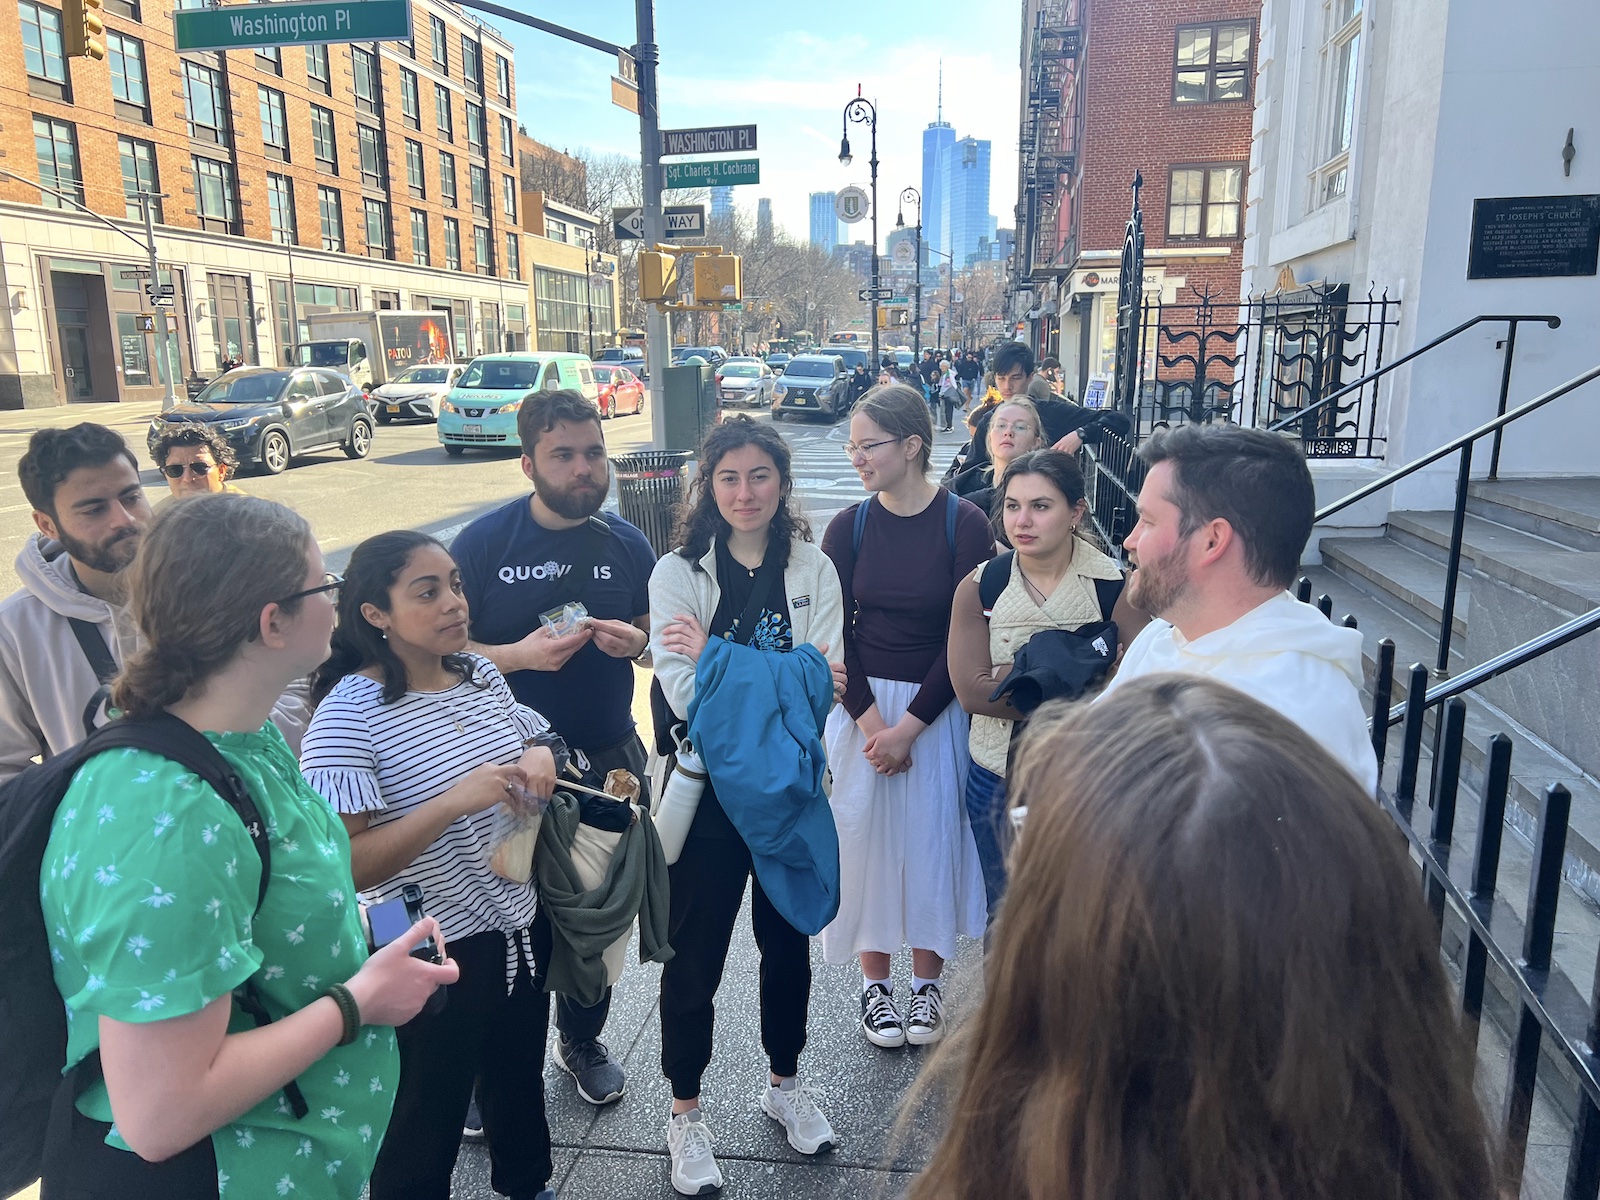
[[682, 221]]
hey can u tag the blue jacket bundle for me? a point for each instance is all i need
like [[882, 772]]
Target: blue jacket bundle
[[757, 720]]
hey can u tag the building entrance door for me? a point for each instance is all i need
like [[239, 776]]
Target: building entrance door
[[72, 324], [233, 328]]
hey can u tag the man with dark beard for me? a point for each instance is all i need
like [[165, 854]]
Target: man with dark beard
[[90, 508], [530, 558]]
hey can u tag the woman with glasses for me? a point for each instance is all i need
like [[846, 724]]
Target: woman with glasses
[[153, 899], [195, 459], [909, 872], [416, 743], [1014, 430]]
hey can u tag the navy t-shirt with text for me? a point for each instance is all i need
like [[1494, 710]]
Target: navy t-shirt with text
[[510, 570]]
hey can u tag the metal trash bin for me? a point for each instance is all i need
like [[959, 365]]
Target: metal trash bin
[[650, 486]]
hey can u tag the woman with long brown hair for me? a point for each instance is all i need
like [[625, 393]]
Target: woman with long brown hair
[[1213, 977]]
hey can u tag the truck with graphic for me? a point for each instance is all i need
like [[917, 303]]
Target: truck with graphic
[[374, 347]]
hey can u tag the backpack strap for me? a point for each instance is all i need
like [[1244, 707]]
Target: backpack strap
[[996, 574], [859, 531], [1107, 591], [93, 644], [952, 510]]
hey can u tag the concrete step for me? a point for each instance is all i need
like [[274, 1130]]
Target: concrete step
[[1429, 534], [1565, 510], [1410, 580], [1378, 617]]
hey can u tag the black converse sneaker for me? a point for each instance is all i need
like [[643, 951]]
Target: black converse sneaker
[[925, 1021], [880, 1019]]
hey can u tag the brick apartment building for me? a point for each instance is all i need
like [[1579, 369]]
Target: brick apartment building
[[297, 180], [1111, 88]]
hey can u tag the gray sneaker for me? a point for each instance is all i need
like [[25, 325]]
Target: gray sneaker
[[694, 1168], [600, 1078], [795, 1108]]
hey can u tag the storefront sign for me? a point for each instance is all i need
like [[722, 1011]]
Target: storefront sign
[[1524, 237], [1111, 280]]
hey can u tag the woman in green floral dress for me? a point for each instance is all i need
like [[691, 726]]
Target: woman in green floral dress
[[150, 887]]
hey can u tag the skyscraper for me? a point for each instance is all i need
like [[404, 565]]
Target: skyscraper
[[824, 221], [965, 181], [936, 141], [764, 219], [721, 203]]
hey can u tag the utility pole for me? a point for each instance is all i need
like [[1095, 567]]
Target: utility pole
[[169, 398], [658, 333]]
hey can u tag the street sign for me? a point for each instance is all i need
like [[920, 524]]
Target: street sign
[[879, 294], [627, 68], [128, 273], [905, 252], [682, 221], [719, 173], [156, 291], [625, 95], [852, 204], [716, 139], [162, 301], [310, 23], [896, 301]]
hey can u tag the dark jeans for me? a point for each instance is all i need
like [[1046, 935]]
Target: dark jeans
[[707, 891], [483, 1035], [991, 830]]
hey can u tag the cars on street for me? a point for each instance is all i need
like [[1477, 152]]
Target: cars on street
[[481, 410], [746, 381], [271, 415], [631, 357], [715, 355], [777, 361], [852, 355], [414, 393], [813, 384], [620, 390]]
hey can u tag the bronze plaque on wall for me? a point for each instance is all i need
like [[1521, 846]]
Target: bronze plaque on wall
[[1524, 237]]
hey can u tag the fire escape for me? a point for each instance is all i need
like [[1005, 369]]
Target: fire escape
[[1049, 143]]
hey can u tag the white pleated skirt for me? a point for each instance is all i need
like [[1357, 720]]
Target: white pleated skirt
[[908, 867]]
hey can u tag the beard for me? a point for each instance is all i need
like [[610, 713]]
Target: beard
[[108, 557], [574, 503], [1158, 585]]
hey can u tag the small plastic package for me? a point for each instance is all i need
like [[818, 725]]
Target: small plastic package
[[568, 618], [516, 830]]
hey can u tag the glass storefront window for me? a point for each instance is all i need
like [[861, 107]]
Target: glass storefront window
[[133, 346]]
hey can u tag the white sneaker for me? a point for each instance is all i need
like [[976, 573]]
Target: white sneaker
[[694, 1170], [795, 1108], [880, 1019], [925, 1020]]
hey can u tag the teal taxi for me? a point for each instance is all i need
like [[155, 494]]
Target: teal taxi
[[480, 411]]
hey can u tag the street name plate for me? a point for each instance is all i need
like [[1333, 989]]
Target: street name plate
[[1525, 237], [721, 173], [315, 22], [716, 139]]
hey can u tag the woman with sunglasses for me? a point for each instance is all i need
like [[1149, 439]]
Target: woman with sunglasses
[[195, 459]]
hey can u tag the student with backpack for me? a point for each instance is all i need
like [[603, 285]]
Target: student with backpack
[[909, 872], [1055, 579], [197, 903]]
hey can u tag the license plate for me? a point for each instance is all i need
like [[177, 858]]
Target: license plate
[[472, 429], [802, 399], [394, 408]]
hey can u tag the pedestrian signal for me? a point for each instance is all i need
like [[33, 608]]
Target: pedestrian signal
[[658, 277], [718, 279]]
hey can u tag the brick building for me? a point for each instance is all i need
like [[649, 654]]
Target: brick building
[[296, 180], [1111, 88]]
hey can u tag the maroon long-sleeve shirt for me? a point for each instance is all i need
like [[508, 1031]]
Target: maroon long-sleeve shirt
[[900, 589]]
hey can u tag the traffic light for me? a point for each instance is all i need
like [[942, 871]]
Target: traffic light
[[83, 29], [718, 278], [658, 277]]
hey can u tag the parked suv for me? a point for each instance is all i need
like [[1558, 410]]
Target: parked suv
[[813, 383]]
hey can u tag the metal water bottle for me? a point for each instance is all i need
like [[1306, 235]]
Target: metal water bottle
[[679, 801]]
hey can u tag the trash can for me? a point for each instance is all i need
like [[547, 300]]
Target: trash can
[[650, 486]]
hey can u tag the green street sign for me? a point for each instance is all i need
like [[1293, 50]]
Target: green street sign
[[726, 173], [315, 22]]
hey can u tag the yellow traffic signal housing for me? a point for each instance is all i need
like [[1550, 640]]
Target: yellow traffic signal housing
[[83, 29], [658, 277], [718, 279]]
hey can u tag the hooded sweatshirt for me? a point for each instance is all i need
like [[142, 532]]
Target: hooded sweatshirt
[[1285, 654]]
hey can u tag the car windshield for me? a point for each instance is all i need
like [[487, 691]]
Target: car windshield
[[606, 374], [501, 374], [742, 371], [425, 375], [820, 367], [245, 389], [325, 354]]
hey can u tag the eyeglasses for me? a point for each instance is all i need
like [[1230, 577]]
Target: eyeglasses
[[855, 448], [1012, 427], [333, 584], [197, 469]]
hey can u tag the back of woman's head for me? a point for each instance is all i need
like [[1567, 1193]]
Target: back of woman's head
[[1213, 976], [205, 570], [900, 411], [699, 518]]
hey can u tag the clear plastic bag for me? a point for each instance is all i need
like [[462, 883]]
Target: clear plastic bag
[[516, 830]]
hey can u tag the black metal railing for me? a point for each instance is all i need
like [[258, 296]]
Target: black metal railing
[[1113, 473]]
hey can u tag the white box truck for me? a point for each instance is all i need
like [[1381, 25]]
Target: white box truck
[[373, 347]]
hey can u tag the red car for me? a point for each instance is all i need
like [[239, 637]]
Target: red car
[[620, 390]]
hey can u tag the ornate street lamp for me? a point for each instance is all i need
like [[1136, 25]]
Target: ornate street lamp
[[912, 196], [861, 112]]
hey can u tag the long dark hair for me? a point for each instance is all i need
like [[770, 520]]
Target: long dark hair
[[699, 520], [357, 644], [1212, 976]]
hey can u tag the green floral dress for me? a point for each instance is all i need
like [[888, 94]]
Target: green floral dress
[[149, 884]]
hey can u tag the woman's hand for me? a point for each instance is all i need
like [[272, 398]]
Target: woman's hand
[[683, 635], [890, 751], [484, 787], [391, 987], [538, 765], [840, 678], [871, 722]]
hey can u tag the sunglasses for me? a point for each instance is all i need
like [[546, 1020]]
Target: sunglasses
[[197, 469], [332, 584]]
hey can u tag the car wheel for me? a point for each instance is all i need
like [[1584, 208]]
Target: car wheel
[[360, 443], [455, 451], [274, 452], [611, 407]]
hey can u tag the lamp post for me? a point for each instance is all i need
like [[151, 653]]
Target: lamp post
[[950, 294], [861, 112], [912, 196]]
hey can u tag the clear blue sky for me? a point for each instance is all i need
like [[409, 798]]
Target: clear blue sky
[[789, 69]]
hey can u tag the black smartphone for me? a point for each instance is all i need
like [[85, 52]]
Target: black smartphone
[[393, 919]]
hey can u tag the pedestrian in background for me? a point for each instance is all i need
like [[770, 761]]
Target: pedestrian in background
[[194, 458], [1014, 430]]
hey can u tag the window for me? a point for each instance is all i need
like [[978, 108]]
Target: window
[[482, 250], [555, 230], [365, 70], [374, 171], [138, 175], [410, 106], [1341, 62], [415, 178], [41, 51], [323, 146], [1213, 63], [331, 218], [502, 76], [124, 8], [508, 143], [452, 243], [280, 209], [508, 195], [274, 124], [472, 63], [441, 54], [56, 145], [216, 196], [377, 213], [480, 189], [1204, 201], [317, 70], [475, 130], [419, 238], [269, 58], [441, 112], [206, 101], [384, 299], [126, 58], [563, 304], [513, 256], [447, 178]]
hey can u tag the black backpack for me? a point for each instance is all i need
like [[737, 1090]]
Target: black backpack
[[997, 574], [33, 1024]]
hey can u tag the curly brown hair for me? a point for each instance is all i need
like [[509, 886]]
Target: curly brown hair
[[193, 433], [699, 519]]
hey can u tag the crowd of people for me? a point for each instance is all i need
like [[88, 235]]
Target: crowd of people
[[955, 716]]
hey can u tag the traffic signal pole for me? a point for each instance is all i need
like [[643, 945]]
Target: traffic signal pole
[[657, 325], [169, 398]]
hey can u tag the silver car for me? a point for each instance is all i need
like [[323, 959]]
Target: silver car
[[415, 392], [747, 381]]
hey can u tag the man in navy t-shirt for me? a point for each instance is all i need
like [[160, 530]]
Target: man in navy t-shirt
[[531, 557]]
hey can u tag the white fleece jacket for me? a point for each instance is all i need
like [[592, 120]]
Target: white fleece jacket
[[1285, 654], [816, 610]]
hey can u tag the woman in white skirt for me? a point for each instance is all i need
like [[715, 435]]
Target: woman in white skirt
[[909, 869]]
